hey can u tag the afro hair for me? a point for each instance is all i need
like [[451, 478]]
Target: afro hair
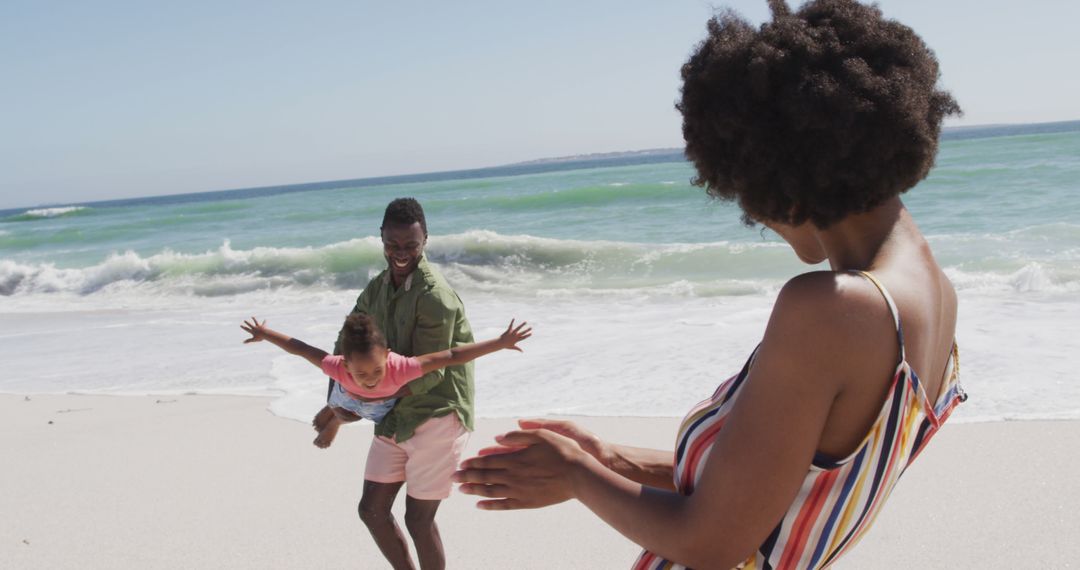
[[818, 114]]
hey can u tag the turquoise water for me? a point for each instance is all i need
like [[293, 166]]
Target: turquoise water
[[1001, 210], [1020, 189]]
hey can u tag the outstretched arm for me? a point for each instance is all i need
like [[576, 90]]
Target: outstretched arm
[[259, 331], [469, 352]]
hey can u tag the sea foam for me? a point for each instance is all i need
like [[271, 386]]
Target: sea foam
[[591, 355], [56, 212], [479, 259]]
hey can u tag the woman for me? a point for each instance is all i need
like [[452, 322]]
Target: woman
[[815, 124]]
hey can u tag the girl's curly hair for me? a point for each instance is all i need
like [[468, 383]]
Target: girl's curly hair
[[820, 113], [360, 335]]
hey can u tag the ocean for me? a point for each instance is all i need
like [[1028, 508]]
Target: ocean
[[644, 293]]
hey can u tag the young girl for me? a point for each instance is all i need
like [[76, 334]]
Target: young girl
[[370, 377]]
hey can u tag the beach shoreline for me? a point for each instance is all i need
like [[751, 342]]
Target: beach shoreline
[[200, 481]]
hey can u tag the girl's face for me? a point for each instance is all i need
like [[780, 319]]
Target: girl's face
[[802, 238], [368, 369]]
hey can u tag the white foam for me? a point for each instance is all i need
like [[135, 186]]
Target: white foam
[[483, 260], [52, 212], [222, 271], [1030, 278], [622, 328], [520, 265], [593, 355]]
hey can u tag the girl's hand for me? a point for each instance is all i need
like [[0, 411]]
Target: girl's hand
[[255, 329], [511, 336], [529, 469]]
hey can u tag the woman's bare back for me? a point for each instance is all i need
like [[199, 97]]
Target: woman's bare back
[[927, 304]]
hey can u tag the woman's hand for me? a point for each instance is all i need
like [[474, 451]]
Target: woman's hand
[[255, 329], [511, 336], [652, 467], [529, 469], [588, 441]]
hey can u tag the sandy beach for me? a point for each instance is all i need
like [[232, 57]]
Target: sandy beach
[[674, 198], [219, 482]]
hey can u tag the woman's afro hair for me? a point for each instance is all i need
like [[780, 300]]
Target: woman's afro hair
[[820, 113]]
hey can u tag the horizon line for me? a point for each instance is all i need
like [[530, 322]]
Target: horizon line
[[533, 166]]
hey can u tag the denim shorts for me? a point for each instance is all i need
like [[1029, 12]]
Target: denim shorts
[[374, 411]]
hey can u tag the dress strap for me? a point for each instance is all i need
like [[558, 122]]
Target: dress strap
[[892, 309]]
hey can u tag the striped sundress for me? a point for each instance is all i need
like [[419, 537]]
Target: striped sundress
[[839, 499]]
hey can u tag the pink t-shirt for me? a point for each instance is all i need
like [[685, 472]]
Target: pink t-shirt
[[400, 370]]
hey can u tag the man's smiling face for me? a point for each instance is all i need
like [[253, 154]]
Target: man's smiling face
[[403, 246]]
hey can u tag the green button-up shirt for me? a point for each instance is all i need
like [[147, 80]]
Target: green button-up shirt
[[422, 316]]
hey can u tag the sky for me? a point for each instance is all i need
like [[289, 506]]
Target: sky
[[104, 100]]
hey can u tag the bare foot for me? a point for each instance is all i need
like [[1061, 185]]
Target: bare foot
[[324, 415], [327, 433]]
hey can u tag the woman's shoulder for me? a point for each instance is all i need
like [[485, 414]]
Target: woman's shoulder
[[828, 294], [832, 321]]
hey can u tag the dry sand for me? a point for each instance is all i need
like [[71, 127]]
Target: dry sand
[[219, 482]]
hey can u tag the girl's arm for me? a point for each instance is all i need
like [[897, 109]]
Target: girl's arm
[[259, 332], [469, 352]]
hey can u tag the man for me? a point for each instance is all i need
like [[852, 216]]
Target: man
[[420, 441]]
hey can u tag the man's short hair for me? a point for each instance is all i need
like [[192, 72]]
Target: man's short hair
[[406, 212]]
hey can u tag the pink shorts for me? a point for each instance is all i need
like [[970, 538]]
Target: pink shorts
[[425, 461]]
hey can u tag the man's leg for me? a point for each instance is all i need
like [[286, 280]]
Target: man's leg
[[420, 520], [375, 513], [434, 452]]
